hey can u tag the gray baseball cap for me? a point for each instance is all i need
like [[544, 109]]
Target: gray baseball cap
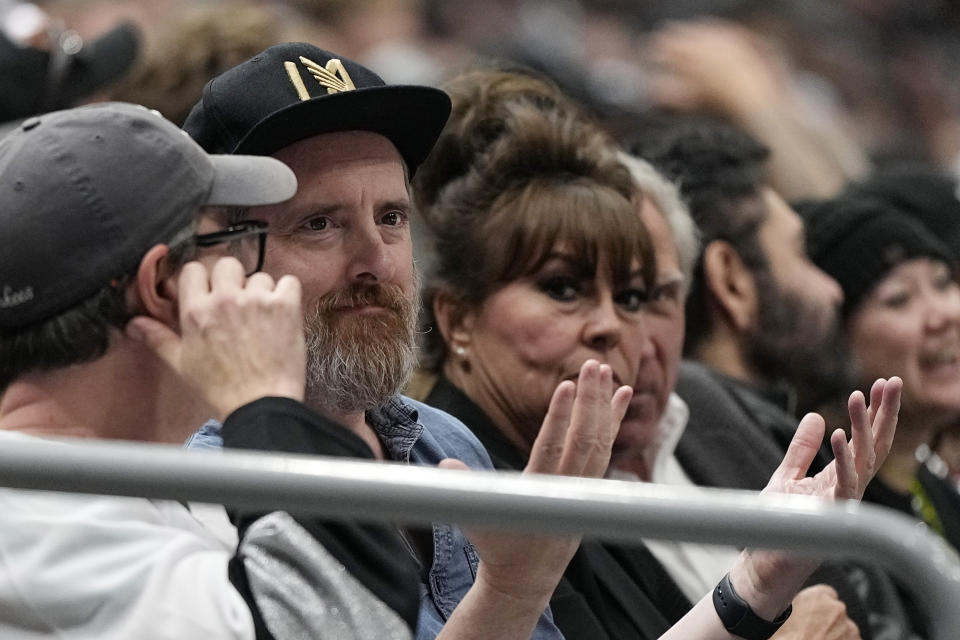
[[85, 192]]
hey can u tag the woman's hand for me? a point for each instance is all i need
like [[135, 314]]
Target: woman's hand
[[518, 573], [769, 580], [776, 576]]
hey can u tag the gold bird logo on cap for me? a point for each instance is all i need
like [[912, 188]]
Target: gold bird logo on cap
[[333, 77]]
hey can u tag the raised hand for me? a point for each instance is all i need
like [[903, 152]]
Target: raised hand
[[769, 580], [577, 434], [855, 462], [239, 338], [775, 576], [518, 574]]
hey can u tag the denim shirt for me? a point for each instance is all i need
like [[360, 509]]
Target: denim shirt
[[415, 433]]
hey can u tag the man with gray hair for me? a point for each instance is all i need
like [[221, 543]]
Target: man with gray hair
[[659, 411], [850, 600]]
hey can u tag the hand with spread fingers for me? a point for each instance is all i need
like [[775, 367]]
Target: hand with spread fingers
[[517, 574], [855, 463], [239, 338], [768, 580]]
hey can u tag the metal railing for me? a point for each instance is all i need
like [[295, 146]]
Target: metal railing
[[612, 510]]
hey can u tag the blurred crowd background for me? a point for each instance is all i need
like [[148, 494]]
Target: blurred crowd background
[[834, 87]]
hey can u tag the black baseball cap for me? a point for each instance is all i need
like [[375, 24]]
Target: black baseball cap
[[87, 191], [296, 90], [35, 80]]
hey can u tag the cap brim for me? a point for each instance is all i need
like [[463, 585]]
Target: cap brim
[[410, 116], [250, 181]]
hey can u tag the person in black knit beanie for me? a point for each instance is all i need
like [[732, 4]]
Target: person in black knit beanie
[[858, 239], [901, 317], [924, 191]]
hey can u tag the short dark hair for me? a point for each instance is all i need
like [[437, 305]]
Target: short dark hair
[[81, 333], [719, 170]]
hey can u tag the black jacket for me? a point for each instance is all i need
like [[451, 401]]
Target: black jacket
[[374, 554]]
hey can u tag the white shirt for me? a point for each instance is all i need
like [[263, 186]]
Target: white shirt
[[696, 568], [111, 568]]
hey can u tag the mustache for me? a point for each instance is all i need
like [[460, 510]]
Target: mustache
[[388, 296]]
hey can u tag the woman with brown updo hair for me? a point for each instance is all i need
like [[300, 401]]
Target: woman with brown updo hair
[[541, 262]]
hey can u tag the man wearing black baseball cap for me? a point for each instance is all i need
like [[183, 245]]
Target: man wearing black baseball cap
[[354, 142], [107, 331]]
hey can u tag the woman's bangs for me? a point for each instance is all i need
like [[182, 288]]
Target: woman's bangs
[[585, 220]]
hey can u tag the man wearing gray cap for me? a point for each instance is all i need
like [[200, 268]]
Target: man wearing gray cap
[[102, 210]]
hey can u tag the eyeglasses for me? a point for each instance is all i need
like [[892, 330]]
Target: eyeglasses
[[246, 241]]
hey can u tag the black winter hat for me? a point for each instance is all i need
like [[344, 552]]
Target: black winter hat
[[857, 240], [295, 90], [926, 193]]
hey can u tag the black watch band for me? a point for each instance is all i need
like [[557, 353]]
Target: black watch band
[[737, 616]]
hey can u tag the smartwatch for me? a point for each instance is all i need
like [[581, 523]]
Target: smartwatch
[[737, 616]]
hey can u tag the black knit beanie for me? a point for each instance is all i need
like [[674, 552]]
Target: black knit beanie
[[926, 193], [858, 240]]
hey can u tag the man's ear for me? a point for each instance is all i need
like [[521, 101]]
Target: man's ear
[[455, 324], [156, 287], [731, 284]]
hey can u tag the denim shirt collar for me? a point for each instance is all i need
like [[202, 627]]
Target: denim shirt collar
[[397, 425]]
